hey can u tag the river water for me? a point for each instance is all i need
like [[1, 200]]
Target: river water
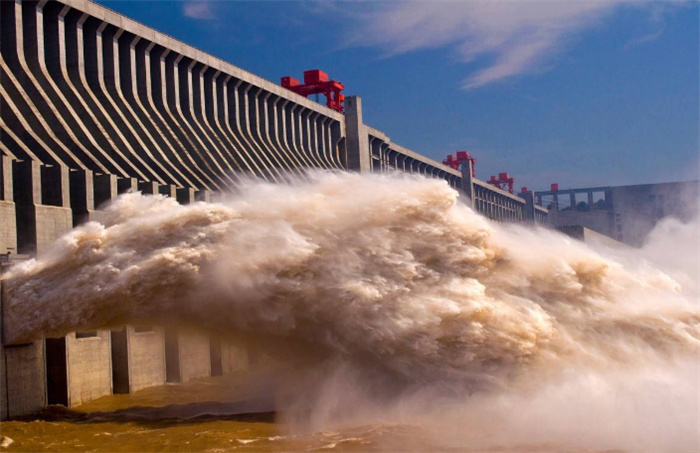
[[216, 415]]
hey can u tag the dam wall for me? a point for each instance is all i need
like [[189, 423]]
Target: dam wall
[[94, 104], [90, 95]]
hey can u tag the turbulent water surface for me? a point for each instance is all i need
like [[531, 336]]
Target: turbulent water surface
[[396, 306]]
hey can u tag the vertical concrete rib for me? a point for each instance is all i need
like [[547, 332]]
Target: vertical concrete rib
[[333, 148], [277, 133], [242, 151], [76, 58], [263, 123], [30, 92], [338, 142], [90, 70], [262, 126], [322, 128], [108, 71], [160, 101], [201, 105], [170, 95], [302, 137], [289, 134], [137, 77], [9, 135], [123, 73], [35, 96], [208, 107], [237, 120], [205, 156], [306, 141], [322, 131], [87, 61], [22, 119], [244, 110], [219, 108], [28, 134], [311, 139], [74, 123], [172, 143], [318, 125], [194, 90]]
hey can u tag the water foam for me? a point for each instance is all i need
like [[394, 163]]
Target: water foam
[[383, 273], [388, 269]]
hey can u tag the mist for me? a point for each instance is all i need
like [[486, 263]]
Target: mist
[[396, 303]]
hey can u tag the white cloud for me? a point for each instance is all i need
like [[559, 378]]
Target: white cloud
[[507, 38], [198, 10]]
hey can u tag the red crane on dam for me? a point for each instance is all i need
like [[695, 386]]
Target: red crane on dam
[[318, 82], [456, 160], [504, 180]]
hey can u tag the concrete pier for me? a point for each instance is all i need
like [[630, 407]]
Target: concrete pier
[[25, 378], [88, 366], [234, 356], [138, 357], [195, 358], [8, 220]]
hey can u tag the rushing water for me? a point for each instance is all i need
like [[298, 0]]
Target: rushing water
[[398, 312]]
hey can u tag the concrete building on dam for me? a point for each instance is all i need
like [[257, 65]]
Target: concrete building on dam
[[94, 104], [624, 213]]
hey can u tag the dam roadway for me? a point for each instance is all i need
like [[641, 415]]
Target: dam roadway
[[94, 104]]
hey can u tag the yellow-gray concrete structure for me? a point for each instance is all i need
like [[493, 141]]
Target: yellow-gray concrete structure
[[624, 213]]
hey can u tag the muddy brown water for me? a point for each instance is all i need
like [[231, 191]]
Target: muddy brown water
[[220, 414]]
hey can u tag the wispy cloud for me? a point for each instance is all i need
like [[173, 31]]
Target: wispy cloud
[[198, 10], [644, 39], [658, 22], [505, 38]]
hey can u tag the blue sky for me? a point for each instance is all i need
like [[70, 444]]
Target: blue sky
[[579, 93]]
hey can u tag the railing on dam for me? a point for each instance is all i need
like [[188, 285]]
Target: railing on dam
[[486, 199], [498, 204], [387, 157]]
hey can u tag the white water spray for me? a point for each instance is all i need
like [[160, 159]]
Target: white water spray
[[387, 275]]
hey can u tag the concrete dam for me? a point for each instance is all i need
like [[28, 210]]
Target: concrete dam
[[94, 105]]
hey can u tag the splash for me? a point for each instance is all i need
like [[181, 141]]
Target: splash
[[390, 270], [389, 275]]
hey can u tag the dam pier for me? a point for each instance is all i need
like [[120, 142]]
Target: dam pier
[[94, 105]]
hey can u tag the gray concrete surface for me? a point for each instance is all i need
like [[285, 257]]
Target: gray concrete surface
[[624, 213], [234, 354], [590, 236], [26, 382], [89, 367], [8, 227], [194, 353], [146, 356]]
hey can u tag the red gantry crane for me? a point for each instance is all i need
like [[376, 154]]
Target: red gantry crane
[[456, 160], [317, 82], [504, 180]]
